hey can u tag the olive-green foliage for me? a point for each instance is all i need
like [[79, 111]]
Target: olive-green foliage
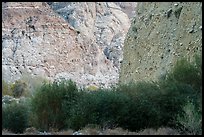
[[171, 99], [50, 104], [134, 106], [25, 86], [186, 79], [111, 107], [15, 117], [190, 120], [80, 114], [19, 88], [183, 83], [6, 89], [188, 72], [103, 108], [143, 110], [92, 88], [33, 82]]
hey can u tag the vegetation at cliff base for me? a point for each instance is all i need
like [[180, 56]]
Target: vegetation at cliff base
[[175, 102]]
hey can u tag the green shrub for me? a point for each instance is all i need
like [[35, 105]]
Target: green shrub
[[25, 86], [102, 108], [33, 82], [134, 106], [190, 121], [173, 96], [19, 88], [183, 83], [143, 110], [6, 89], [50, 104], [112, 107], [187, 72], [78, 117], [156, 104], [15, 117], [117, 107]]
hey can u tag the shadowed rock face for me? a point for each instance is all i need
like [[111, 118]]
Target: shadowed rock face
[[36, 40], [159, 35]]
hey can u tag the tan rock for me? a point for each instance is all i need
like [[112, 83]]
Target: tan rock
[[178, 28]]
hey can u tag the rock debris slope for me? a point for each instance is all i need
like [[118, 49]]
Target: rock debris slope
[[160, 34], [81, 41]]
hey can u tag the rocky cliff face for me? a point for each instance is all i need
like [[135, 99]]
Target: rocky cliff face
[[105, 23], [160, 34], [128, 8], [83, 44]]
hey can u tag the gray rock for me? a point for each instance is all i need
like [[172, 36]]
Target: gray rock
[[77, 133]]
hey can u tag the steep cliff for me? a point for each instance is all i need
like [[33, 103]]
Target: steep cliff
[[105, 22], [159, 35], [84, 47]]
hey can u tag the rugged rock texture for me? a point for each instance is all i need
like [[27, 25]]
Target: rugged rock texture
[[106, 23], [85, 45], [128, 7], [160, 34]]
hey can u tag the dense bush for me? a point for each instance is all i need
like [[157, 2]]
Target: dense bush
[[185, 79], [82, 112], [143, 110], [183, 83], [15, 117], [187, 72], [133, 106], [51, 103], [111, 107], [190, 120], [155, 104], [103, 108]]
